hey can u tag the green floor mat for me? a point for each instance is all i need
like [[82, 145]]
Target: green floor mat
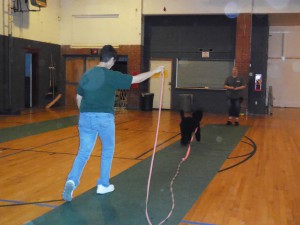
[[12, 133], [126, 205]]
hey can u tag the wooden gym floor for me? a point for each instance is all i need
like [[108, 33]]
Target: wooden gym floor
[[263, 190]]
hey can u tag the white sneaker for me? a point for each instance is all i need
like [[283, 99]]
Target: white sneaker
[[103, 190], [68, 190]]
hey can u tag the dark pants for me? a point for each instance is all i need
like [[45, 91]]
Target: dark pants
[[234, 107]]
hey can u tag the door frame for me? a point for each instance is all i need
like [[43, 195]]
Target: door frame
[[35, 74]]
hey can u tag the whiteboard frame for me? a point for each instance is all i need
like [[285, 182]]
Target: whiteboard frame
[[228, 73]]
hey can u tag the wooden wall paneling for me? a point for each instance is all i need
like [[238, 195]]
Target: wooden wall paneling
[[71, 95], [91, 62], [75, 67]]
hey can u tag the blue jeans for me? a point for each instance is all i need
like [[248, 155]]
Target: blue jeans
[[90, 126]]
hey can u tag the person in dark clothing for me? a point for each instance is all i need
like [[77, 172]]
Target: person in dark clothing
[[95, 100], [234, 86]]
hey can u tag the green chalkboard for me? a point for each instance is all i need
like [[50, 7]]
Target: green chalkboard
[[202, 74]]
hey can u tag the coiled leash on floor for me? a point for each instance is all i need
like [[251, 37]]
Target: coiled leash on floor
[[153, 156]]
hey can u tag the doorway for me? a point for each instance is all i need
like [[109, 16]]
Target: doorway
[[30, 80], [155, 83]]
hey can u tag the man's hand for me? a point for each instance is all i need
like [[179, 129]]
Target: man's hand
[[159, 69]]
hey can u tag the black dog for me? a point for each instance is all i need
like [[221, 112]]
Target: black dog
[[188, 126]]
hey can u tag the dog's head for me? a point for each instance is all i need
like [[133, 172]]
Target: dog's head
[[197, 115]]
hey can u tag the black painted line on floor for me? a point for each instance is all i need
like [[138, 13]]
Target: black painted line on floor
[[251, 154], [56, 153], [32, 149], [157, 146], [20, 203], [47, 152]]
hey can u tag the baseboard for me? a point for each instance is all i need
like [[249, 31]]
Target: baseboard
[[10, 112]]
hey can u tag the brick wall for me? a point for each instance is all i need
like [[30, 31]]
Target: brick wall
[[243, 49], [134, 53]]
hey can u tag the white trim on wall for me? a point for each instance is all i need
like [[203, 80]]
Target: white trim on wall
[[163, 7]]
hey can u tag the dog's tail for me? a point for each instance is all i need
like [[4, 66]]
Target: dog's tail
[[182, 114], [197, 115]]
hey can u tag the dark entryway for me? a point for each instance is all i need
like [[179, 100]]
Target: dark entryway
[[30, 81]]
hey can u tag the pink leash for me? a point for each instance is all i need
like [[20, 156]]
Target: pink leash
[[152, 160]]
